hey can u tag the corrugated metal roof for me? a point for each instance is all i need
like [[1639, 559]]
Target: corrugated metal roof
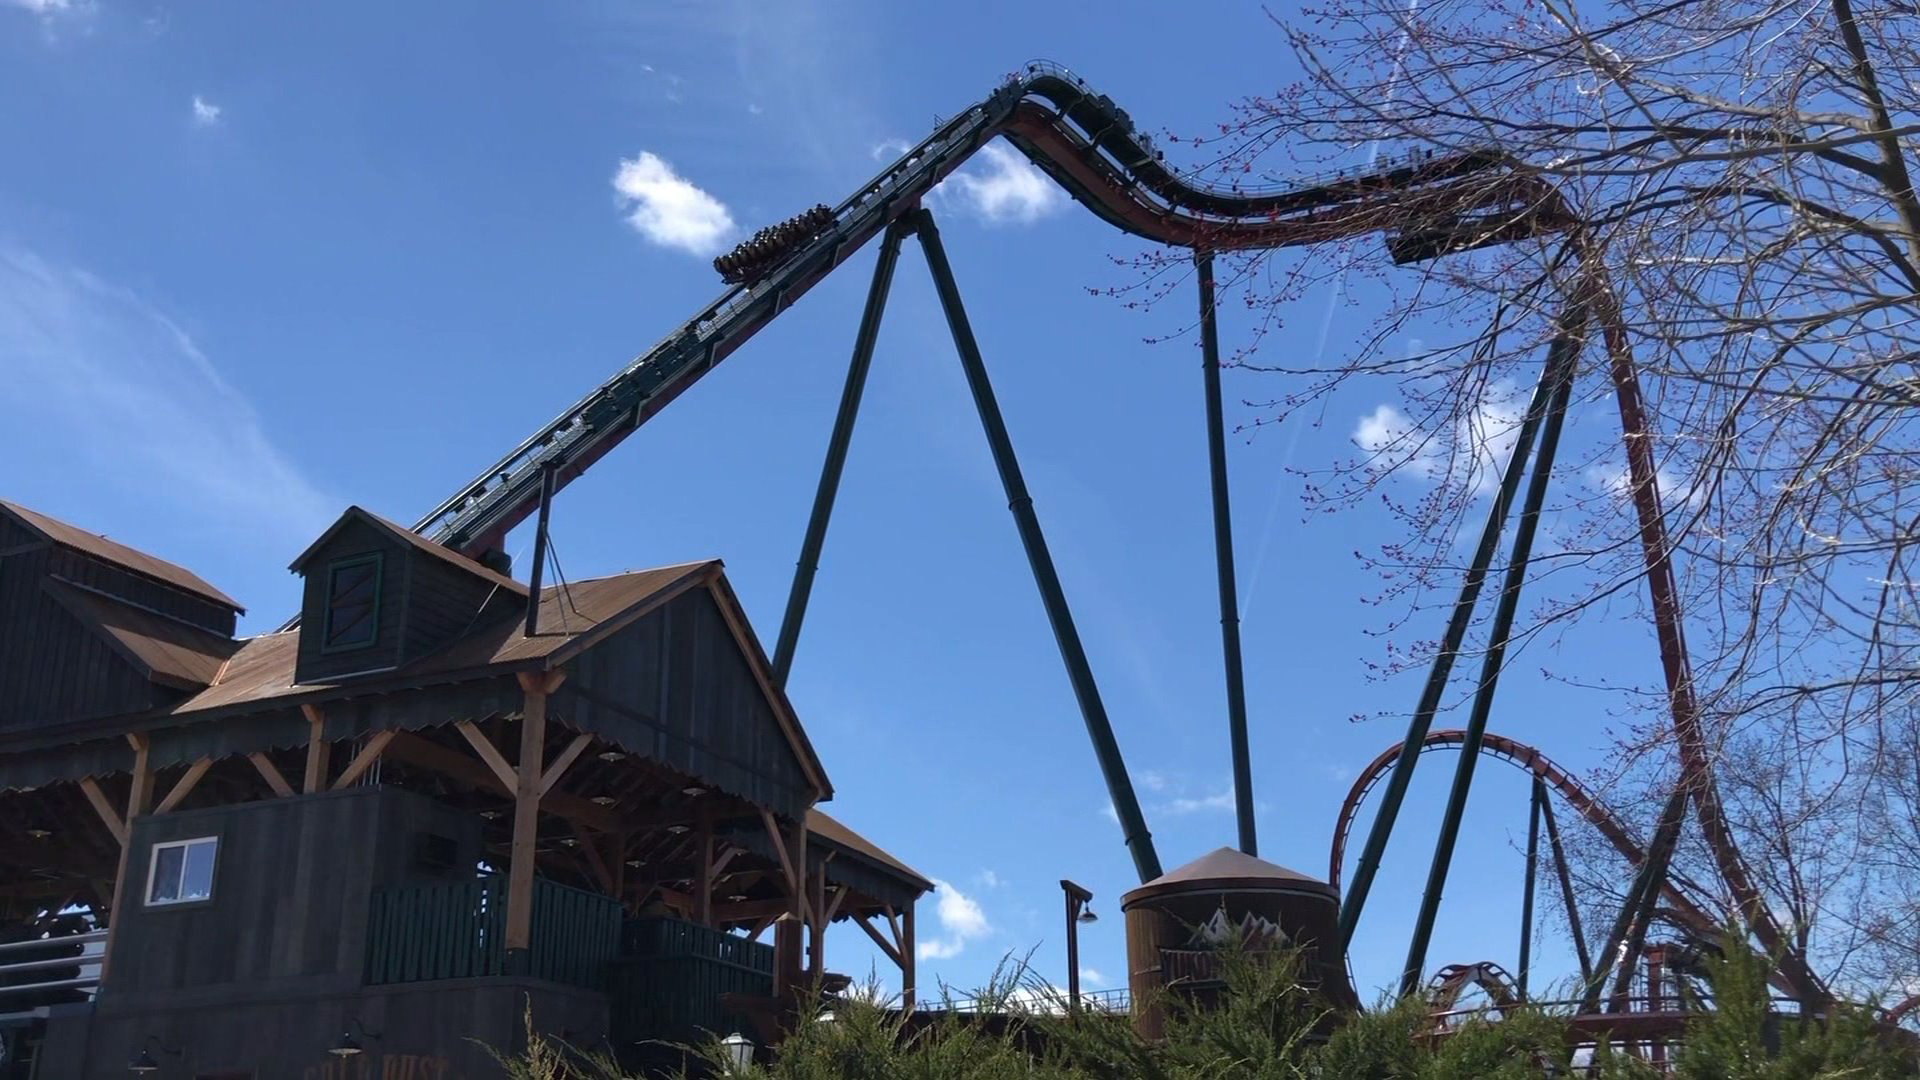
[[419, 542], [172, 651], [827, 828], [139, 562], [264, 666]]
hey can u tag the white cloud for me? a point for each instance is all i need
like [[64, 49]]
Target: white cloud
[[1483, 439], [205, 113], [96, 370], [961, 921], [754, 109], [1092, 979], [41, 7], [1153, 780], [1002, 187], [990, 879], [669, 210], [888, 149], [1196, 804]]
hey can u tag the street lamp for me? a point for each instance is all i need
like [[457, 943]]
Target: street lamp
[[739, 1050], [1079, 910]]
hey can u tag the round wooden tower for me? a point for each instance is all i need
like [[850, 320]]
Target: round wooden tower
[[1176, 922]]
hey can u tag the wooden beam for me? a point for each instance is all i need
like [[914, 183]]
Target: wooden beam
[[594, 862], [563, 760], [703, 879], [488, 752], [761, 927], [892, 951], [526, 817], [780, 850], [816, 925], [428, 754], [720, 864], [271, 774], [370, 753], [140, 791], [833, 906], [139, 796], [101, 806], [908, 981], [184, 786], [318, 750]]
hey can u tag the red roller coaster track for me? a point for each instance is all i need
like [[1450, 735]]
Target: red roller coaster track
[[1530, 760]]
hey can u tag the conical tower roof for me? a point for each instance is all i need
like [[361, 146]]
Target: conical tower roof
[[1227, 870]]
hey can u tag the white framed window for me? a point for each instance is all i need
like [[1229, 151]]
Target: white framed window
[[181, 871]]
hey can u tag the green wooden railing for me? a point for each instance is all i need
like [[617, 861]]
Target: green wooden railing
[[457, 930], [671, 976]]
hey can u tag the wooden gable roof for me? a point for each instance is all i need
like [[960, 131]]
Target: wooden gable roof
[[99, 547]]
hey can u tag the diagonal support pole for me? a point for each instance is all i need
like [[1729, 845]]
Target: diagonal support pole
[[1538, 805], [1223, 560], [1561, 364], [1566, 893], [1126, 804], [816, 535], [1571, 337]]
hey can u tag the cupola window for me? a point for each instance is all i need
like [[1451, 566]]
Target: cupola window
[[353, 603]]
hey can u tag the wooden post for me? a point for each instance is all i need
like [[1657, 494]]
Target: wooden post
[[817, 901], [526, 820], [139, 796], [703, 886], [318, 749], [907, 982]]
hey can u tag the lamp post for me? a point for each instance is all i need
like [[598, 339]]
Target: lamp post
[[1078, 911], [739, 1050]]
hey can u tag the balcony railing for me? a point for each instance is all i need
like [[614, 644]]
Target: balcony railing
[[49, 970], [672, 976], [457, 930]]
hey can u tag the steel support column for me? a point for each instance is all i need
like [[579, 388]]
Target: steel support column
[[823, 496], [1571, 337], [539, 550], [1126, 805], [1561, 364], [1223, 559], [1537, 804], [1636, 910], [1566, 892]]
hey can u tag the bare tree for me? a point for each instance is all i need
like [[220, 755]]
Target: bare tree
[[1738, 172]]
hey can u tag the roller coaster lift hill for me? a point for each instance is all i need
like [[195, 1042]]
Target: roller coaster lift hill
[[1425, 207]]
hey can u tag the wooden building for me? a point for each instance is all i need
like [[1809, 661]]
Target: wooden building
[[400, 825]]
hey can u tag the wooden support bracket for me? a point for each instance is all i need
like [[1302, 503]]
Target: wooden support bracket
[[370, 753], [271, 774], [892, 950], [563, 760], [184, 786], [488, 753], [319, 750], [101, 806]]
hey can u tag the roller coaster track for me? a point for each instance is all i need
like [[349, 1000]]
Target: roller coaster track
[[1535, 763], [1084, 142], [1424, 206]]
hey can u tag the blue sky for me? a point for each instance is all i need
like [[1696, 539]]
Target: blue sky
[[261, 261]]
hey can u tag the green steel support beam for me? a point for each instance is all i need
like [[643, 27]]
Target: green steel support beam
[[1223, 560], [1572, 336], [816, 535], [1562, 360], [1126, 805], [1537, 804], [1566, 893], [1636, 910]]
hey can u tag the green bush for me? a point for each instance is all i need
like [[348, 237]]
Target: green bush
[[1265, 1026]]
